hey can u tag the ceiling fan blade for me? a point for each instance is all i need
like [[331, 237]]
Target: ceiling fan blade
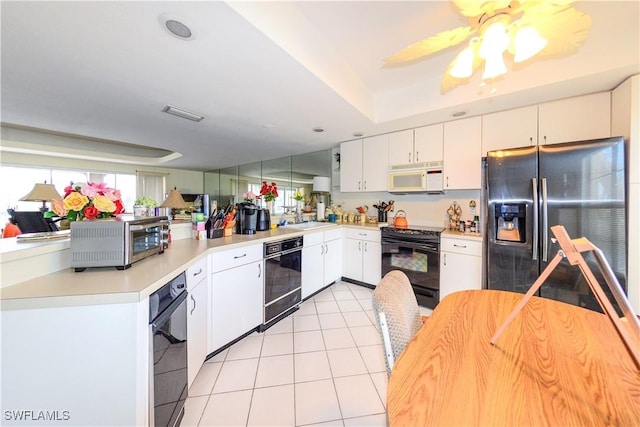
[[473, 8], [564, 27], [428, 46]]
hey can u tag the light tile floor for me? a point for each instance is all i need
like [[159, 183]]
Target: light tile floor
[[323, 365]]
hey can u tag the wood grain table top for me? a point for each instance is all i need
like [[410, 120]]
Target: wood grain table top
[[555, 365]]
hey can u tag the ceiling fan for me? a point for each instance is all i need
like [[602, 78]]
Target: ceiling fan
[[521, 28]]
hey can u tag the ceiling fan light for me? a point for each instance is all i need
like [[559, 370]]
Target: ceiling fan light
[[494, 41], [463, 64], [494, 66], [528, 42]]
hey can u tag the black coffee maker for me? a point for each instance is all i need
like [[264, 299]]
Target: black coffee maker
[[246, 218], [264, 220]]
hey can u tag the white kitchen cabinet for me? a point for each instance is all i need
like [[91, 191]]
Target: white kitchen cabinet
[[362, 256], [236, 294], [462, 155], [510, 129], [197, 317], [321, 260], [364, 164], [460, 265], [428, 143], [575, 119], [418, 145]]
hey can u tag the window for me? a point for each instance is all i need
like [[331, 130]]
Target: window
[[18, 181]]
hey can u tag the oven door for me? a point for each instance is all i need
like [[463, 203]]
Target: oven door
[[419, 261]]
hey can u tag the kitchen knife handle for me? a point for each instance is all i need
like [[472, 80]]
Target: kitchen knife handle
[[534, 183], [545, 220]]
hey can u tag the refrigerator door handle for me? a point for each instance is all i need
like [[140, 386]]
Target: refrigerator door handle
[[534, 185], [545, 220]]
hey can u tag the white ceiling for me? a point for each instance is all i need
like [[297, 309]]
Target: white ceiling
[[106, 69]]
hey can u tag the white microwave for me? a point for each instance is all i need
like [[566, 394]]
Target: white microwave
[[417, 178]]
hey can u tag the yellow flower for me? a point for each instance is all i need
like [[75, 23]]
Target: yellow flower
[[104, 204], [75, 201], [298, 196]]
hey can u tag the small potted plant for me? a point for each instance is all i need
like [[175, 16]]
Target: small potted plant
[[144, 206]]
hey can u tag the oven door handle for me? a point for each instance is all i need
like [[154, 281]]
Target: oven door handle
[[412, 245], [168, 312], [290, 251]]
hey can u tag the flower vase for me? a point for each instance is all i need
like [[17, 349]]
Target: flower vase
[[271, 208]]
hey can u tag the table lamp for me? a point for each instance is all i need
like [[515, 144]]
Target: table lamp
[[174, 201], [42, 193]]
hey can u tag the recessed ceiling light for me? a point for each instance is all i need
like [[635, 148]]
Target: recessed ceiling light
[[358, 134], [176, 26], [180, 112], [318, 130], [459, 113]]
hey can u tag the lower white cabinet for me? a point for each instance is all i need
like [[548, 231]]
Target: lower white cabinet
[[321, 260], [197, 317], [460, 265], [362, 256], [236, 297]]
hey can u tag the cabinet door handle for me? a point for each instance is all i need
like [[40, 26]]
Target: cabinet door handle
[[326, 248], [322, 250], [444, 259], [359, 186], [359, 246], [239, 256], [364, 186], [417, 156], [409, 157], [365, 246], [460, 246], [259, 270], [545, 140], [530, 140], [194, 305], [447, 182], [197, 273]]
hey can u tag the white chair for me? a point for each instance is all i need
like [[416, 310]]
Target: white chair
[[396, 310]]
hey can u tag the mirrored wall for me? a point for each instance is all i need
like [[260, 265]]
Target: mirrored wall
[[290, 174]]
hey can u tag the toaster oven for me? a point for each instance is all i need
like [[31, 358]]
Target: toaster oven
[[117, 242]]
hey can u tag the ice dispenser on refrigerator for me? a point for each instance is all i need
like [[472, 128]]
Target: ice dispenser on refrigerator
[[510, 222]]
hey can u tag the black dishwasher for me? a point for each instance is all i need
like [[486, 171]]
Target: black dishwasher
[[168, 353], [282, 279]]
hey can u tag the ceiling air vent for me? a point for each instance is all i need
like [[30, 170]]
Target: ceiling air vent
[[180, 112]]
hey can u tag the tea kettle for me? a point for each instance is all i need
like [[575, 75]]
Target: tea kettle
[[400, 220]]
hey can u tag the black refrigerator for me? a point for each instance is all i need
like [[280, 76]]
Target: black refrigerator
[[579, 185]]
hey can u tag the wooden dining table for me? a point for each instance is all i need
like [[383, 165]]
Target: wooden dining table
[[555, 365]]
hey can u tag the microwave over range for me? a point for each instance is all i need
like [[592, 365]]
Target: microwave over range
[[117, 242], [416, 178]]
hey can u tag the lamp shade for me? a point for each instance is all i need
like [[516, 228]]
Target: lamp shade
[[41, 193], [322, 184], [174, 200]]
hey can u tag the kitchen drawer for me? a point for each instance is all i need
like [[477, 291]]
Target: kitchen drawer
[[231, 258], [312, 239], [333, 234], [362, 234], [197, 273], [460, 246]]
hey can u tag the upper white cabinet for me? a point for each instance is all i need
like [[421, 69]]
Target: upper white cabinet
[[510, 129], [575, 119], [418, 145], [364, 164], [462, 155]]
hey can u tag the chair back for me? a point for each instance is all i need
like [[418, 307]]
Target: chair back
[[397, 313]]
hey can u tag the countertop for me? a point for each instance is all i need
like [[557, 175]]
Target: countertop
[[455, 234], [111, 286]]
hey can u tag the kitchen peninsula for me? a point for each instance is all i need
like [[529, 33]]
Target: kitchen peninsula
[[79, 342]]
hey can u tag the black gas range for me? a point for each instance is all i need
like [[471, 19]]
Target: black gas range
[[414, 250]]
